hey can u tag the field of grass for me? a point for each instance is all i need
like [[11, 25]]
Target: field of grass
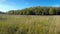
[[21, 24]]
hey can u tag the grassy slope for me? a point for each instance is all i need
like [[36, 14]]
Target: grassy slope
[[18, 24]]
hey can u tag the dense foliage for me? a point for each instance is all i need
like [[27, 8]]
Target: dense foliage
[[36, 11]]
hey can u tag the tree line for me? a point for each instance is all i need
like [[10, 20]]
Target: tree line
[[36, 11], [2, 12]]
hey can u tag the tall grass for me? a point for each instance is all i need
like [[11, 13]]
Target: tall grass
[[18, 24]]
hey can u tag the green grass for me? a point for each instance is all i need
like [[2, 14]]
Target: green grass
[[21, 24]]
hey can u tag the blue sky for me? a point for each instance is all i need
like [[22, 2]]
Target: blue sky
[[6, 5]]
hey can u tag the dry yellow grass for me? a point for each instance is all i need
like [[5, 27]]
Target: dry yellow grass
[[24, 24]]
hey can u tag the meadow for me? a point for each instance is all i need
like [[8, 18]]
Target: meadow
[[29, 24]]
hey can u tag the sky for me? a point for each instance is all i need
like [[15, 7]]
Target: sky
[[6, 5]]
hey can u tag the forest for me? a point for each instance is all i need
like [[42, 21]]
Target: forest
[[36, 11]]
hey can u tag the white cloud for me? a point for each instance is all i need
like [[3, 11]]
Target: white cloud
[[5, 8], [56, 5]]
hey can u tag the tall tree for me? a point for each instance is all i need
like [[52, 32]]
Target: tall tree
[[51, 11]]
